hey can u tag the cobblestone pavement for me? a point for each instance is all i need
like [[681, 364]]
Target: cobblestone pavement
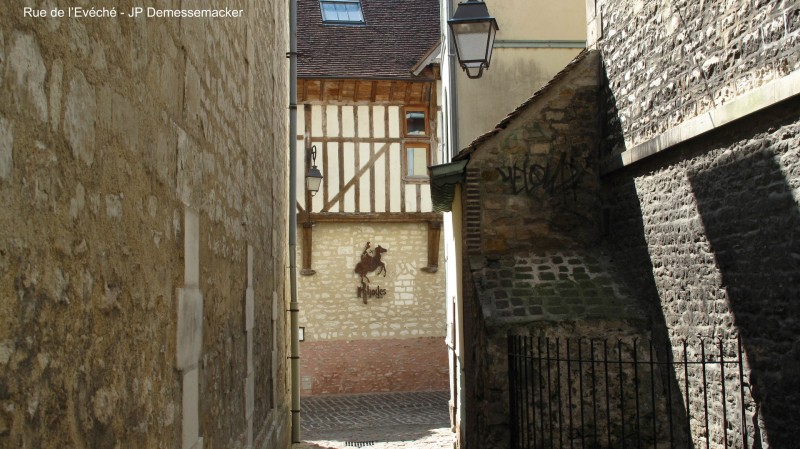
[[416, 420]]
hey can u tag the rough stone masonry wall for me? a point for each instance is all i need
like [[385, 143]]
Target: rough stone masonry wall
[[670, 60], [535, 184], [112, 130], [392, 343], [533, 203], [710, 227], [713, 229]]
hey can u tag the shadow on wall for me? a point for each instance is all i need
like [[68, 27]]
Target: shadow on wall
[[623, 232], [751, 221], [753, 224], [626, 240]]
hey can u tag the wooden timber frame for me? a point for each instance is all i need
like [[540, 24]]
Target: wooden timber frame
[[419, 94], [422, 92]]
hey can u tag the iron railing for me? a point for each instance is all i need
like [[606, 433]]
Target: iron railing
[[592, 393]]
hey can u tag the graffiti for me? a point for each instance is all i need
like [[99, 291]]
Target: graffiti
[[558, 176], [370, 262]]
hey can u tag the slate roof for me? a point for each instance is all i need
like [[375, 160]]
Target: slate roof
[[397, 34]]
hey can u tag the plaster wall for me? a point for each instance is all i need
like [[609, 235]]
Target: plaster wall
[[539, 19], [521, 60]]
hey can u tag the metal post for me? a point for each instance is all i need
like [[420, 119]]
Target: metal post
[[294, 307]]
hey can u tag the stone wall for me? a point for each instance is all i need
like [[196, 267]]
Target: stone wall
[[533, 221], [535, 184], [140, 158], [669, 61], [552, 286], [409, 311], [715, 244], [708, 226]]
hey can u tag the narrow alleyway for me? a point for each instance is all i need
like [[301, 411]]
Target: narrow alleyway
[[381, 421]]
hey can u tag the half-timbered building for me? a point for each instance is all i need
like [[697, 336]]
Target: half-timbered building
[[371, 294]]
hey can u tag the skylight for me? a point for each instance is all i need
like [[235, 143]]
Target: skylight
[[341, 11]]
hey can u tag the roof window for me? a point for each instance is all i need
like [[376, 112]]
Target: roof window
[[341, 11]]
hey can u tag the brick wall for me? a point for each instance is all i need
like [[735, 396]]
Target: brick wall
[[112, 132], [367, 366]]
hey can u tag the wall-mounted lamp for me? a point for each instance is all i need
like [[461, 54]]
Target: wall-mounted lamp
[[474, 31], [314, 176]]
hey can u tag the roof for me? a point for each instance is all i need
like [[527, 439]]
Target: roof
[[396, 36], [466, 152]]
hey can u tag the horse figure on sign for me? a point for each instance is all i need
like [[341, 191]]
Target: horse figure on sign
[[371, 262]]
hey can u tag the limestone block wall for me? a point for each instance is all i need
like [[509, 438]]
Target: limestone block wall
[[394, 342], [142, 166]]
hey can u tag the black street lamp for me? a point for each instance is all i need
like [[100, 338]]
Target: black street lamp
[[314, 176], [474, 31]]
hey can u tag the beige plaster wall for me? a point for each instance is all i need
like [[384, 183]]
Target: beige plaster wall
[[414, 302], [539, 19], [516, 73]]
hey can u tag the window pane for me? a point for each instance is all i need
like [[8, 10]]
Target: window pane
[[417, 162], [354, 12], [328, 11], [415, 123], [420, 162], [341, 11]]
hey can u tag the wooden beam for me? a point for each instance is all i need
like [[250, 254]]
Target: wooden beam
[[434, 234], [307, 248], [375, 217], [344, 188]]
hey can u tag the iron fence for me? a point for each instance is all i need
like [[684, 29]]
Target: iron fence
[[592, 393]]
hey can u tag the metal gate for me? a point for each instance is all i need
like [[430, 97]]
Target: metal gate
[[592, 393]]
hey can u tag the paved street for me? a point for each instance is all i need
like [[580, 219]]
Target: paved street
[[380, 421]]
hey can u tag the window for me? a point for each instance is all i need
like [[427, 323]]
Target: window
[[341, 11], [417, 161], [416, 122]]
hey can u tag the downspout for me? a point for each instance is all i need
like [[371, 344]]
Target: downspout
[[294, 307], [453, 71]]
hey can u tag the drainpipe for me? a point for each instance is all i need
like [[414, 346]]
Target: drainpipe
[[294, 307], [453, 62]]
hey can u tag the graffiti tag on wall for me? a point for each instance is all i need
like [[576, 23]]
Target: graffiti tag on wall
[[558, 175]]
